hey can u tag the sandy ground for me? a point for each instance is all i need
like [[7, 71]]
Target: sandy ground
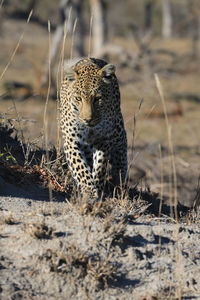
[[118, 250]]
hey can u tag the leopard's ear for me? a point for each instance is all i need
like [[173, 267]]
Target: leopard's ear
[[69, 74], [107, 73], [108, 70]]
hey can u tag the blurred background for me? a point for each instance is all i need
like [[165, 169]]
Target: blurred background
[[142, 38]]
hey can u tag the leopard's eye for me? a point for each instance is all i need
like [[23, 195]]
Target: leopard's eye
[[78, 99], [70, 79]]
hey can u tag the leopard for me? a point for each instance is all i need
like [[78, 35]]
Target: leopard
[[92, 126]]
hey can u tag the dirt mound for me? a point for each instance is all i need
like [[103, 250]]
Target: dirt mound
[[60, 250]]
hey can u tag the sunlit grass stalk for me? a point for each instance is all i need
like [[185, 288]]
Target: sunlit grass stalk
[[197, 196], [135, 134], [45, 119], [73, 36], [21, 130], [170, 145], [66, 29], [132, 155], [60, 77], [16, 47], [49, 84], [177, 251], [90, 36], [161, 182]]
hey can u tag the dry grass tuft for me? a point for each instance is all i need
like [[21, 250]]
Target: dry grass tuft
[[69, 261], [101, 271], [27, 164], [77, 264], [9, 220], [193, 216], [120, 208], [39, 230]]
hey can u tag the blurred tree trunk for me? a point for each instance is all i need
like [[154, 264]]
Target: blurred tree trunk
[[77, 16], [56, 39], [166, 19], [79, 32], [99, 25], [76, 7], [148, 14]]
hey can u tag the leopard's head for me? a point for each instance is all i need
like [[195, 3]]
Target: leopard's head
[[91, 83]]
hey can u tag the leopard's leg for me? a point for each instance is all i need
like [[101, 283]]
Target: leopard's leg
[[81, 169], [88, 152], [100, 163]]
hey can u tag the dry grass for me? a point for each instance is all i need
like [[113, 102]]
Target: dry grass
[[73, 262], [9, 219], [39, 230], [102, 271]]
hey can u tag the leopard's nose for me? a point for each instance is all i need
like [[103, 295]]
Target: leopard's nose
[[86, 111]]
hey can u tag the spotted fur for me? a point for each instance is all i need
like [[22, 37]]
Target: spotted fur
[[92, 125]]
